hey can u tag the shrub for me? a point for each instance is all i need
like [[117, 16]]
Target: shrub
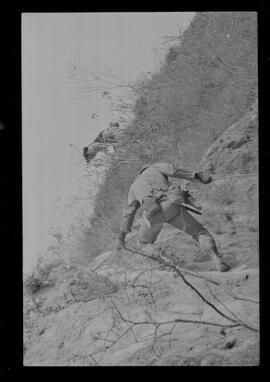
[[40, 278]]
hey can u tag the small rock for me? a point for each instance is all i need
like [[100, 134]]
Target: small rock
[[230, 343]]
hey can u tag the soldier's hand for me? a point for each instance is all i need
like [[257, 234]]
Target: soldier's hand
[[203, 177]]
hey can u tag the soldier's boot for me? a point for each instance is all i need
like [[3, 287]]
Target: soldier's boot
[[208, 244]]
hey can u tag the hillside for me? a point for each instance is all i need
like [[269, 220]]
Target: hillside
[[122, 309], [206, 83], [165, 304]]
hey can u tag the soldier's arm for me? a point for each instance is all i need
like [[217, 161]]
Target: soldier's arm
[[183, 173], [175, 172], [127, 219], [129, 213]]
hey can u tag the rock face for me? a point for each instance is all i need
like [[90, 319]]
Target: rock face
[[126, 309], [236, 150]]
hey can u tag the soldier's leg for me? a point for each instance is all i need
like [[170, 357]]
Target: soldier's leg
[[187, 223], [148, 234], [151, 226], [207, 243]]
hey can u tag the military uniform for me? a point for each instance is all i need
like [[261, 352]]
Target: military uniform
[[163, 201]]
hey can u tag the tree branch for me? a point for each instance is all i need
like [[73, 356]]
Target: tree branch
[[176, 269]]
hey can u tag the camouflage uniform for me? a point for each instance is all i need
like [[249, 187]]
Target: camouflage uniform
[[152, 188]]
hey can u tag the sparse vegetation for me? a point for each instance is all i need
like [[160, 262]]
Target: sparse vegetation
[[205, 84], [33, 284], [40, 277], [151, 306]]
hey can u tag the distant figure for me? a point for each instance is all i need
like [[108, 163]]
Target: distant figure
[[100, 143], [162, 202], [91, 151]]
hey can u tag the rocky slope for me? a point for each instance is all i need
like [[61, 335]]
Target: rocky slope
[[127, 309]]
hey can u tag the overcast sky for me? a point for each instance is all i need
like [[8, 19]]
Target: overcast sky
[[52, 43]]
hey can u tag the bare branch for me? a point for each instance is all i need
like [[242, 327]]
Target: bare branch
[[229, 310], [176, 269], [244, 299], [190, 273], [176, 320]]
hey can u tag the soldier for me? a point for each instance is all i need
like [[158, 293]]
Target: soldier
[[162, 202], [90, 152]]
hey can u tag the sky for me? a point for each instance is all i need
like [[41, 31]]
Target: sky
[[54, 116]]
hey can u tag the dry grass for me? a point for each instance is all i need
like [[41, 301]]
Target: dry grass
[[205, 84], [203, 87]]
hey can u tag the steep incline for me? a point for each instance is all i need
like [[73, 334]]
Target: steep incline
[[206, 83], [74, 318]]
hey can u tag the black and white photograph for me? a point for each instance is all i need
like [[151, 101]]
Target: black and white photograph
[[140, 189]]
